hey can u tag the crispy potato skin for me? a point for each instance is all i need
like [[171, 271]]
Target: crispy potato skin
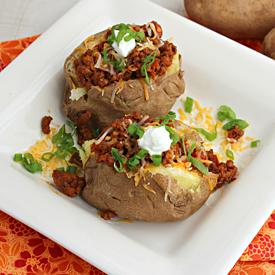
[[234, 18], [161, 98], [109, 190], [268, 47]]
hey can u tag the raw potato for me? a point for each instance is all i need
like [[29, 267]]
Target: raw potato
[[162, 94], [269, 44], [234, 18], [109, 190]]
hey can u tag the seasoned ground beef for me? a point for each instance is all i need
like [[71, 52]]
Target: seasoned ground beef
[[89, 73]]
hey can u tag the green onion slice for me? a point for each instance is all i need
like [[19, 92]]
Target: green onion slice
[[118, 65], [150, 58], [96, 133], [255, 143], [200, 166], [230, 154], [189, 104], [72, 126], [61, 153], [134, 129], [231, 124], [192, 148], [30, 164], [60, 169], [226, 112], [183, 145], [168, 119], [209, 136], [118, 158], [157, 159], [45, 158], [105, 55], [134, 161], [17, 157], [71, 169], [173, 135]]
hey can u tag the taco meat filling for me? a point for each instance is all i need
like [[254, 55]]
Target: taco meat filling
[[102, 66], [118, 137]]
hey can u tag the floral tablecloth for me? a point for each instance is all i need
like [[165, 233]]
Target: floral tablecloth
[[25, 251]]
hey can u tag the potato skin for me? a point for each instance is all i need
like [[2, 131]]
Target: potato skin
[[161, 98], [234, 18], [268, 47], [109, 190]]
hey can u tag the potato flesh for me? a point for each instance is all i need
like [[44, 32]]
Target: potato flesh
[[185, 178]]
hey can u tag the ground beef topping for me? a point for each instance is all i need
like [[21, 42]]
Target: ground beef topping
[[96, 68], [226, 171], [127, 145], [69, 183], [235, 133], [81, 120], [46, 120]]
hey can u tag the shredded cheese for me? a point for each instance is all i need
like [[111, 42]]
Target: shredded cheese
[[210, 184], [144, 84], [149, 188]]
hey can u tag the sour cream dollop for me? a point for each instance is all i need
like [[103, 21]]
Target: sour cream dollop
[[124, 47], [155, 140]]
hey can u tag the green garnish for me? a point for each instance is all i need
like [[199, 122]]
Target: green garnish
[[254, 143], [118, 65], [45, 158], [201, 167], [71, 169], [96, 133], [60, 169], [168, 119], [231, 124], [105, 55], [189, 104], [192, 148], [17, 157], [64, 143], [209, 136], [118, 158], [173, 135], [226, 112], [157, 159], [29, 163], [183, 145], [123, 30], [230, 154], [134, 129], [134, 161], [149, 58]]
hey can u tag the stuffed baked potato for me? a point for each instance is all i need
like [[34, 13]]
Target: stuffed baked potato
[[110, 77], [146, 169]]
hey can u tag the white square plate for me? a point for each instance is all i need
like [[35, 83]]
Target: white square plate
[[218, 71]]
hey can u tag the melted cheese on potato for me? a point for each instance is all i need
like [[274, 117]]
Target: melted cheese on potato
[[185, 178]]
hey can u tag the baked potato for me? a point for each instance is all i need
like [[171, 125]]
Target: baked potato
[[248, 19], [110, 80], [143, 182], [268, 47]]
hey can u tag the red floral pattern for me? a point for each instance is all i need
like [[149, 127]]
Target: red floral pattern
[[23, 251]]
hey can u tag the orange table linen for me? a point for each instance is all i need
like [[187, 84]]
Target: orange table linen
[[25, 251]]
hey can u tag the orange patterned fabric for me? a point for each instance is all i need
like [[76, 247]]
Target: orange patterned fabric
[[25, 251]]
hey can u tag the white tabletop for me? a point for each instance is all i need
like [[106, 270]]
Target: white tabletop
[[23, 18]]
